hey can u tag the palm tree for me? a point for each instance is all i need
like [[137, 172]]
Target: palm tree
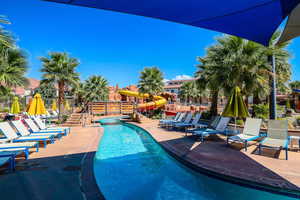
[[95, 89], [151, 81], [59, 68], [233, 61], [294, 85], [189, 91], [13, 67], [5, 36]]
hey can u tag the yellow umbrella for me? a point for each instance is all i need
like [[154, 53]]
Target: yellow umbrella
[[67, 106], [37, 106], [54, 107], [15, 107]]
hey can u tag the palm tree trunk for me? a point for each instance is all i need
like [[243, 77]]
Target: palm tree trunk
[[61, 93], [214, 102]]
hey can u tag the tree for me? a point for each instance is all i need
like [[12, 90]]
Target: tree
[[13, 67], [58, 68], [5, 36], [95, 89], [13, 62], [189, 91], [233, 61], [294, 85], [151, 81], [47, 91]]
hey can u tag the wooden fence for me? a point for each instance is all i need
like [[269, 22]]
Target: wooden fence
[[111, 107]]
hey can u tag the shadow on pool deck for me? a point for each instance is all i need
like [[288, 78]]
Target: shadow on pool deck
[[215, 156], [63, 170]]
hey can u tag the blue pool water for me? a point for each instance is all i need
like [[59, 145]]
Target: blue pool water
[[130, 165]]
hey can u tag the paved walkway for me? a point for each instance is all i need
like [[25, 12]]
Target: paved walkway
[[63, 170], [214, 155]]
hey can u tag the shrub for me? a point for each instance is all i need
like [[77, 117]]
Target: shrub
[[206, 115], [261, 111]]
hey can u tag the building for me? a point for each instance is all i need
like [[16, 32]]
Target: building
[[29, 89], [173, 86]]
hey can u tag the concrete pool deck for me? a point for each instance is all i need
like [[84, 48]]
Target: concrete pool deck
[[63, 170], [214, 156]]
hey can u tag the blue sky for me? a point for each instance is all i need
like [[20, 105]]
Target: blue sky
[[117, 46]]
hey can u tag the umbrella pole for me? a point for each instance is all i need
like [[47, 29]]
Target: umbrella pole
[[235, 125]]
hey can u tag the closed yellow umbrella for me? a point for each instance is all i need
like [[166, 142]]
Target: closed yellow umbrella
[[54, 106], [15, 107], [67, 106], [37, 106]]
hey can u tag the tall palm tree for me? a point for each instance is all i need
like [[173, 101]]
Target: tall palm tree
[[5, 36], [13, 67], [294, 85], [60, 69], [95, 89], [189, 91], [233, 61], [151, 81]]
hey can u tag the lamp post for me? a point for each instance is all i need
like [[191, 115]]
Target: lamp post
[[272, 102]]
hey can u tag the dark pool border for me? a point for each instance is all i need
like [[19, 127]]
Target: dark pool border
[[89, 186], [223, 177]]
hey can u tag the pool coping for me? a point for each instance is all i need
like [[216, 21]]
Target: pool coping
[[221, 176], [88, 184]]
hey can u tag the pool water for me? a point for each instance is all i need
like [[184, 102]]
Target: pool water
[[130, 165]]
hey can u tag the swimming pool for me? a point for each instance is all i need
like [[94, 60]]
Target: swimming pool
[[129, 165]]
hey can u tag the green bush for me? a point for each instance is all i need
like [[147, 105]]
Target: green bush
[[5, 109], [63, 119], [261, 111], [206, 115]]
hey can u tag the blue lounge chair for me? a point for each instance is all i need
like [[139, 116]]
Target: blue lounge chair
[[170, 123], [187, 120], [42, 126], [162, 121], [190, 124], [277, 136], [35, 129], [13, 136], [220, 129], [21, 128], [250, 132]]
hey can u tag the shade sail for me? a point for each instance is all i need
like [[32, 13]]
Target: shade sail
[[292, 28], [255, 20]]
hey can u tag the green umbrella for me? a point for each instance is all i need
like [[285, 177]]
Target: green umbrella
[[236, 106]]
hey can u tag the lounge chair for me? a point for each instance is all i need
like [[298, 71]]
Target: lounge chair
[[202, 126], [35, 129], [9, 157], [180, 119], [187, 120], [220, 129], [162, 121], [250, 132], [42, 126], [277, 136], [21, 128], [191, 124], [12, 135], [17, 145]]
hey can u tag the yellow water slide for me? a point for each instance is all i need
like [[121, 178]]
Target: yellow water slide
[[158, 100]]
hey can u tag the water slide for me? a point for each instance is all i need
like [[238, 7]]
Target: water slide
[[157, 102]]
